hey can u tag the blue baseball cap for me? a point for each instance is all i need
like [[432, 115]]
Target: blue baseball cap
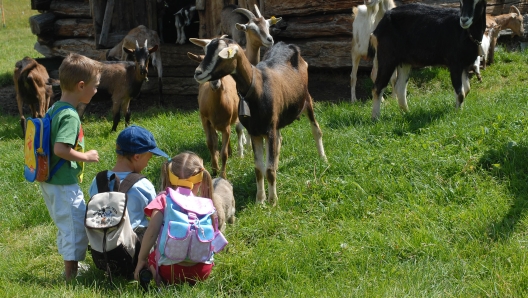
[[137, 140]]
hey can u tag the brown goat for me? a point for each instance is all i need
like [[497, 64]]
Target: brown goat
[[512, 20], [31, 85], [276, 93], [218, 100], [123, 80], [140, 34]]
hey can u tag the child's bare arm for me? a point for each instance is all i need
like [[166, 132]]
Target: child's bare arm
[[66, 152]]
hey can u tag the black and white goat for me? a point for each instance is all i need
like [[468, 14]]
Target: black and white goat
[[276, 93], [183, 18], [366, 18], [421, 35]]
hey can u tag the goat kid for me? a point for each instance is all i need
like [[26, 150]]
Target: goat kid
[[224, 202], [512, 20], [218, 106], [123, 80], [183, 18], [276, 92], [366, 19], [140, 34], [32, 87], [482, 58], [421, 35]]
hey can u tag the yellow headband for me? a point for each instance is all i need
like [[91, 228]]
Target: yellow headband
[[189, 182]]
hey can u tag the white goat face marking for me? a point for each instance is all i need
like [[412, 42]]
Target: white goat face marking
[[466, 15], [210, 60]]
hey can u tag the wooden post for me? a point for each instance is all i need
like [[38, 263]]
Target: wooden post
[[109, 11], [41, 23]]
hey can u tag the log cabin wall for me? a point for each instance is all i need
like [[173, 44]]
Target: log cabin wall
[[322, 29]]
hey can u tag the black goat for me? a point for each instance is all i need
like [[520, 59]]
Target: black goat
[[418, 35]]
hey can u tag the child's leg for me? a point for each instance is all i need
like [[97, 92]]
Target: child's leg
[[66, 207], [70, 269]]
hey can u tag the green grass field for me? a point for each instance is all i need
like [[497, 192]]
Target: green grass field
[[432, 203]]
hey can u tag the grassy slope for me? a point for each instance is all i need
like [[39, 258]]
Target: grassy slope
[[429, 203]]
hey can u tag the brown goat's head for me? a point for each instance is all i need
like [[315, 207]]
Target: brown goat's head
[[141, 57], [219, 60], [516, 21], [257, 26]]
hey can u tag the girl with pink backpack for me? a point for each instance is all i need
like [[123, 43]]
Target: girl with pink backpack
[[184, 225]]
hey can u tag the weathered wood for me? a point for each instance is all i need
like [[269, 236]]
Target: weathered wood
[[210, 19], [73, 28], [180, 86], [41, 23], [62, 47], [46, 39], [40, 4], [71, 9], [200, 4], [109, 11], [330, 25], [97, 7], [325, 52], [307, 7]]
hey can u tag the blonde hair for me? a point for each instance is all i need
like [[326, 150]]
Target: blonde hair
[[75, 68], [185, 165]]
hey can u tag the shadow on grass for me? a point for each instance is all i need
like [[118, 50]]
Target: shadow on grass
[[510, 164], [10, 132], [422, 118]]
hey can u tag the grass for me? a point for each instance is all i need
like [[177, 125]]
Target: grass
[[431, 203]]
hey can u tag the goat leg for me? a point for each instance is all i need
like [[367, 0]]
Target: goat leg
[[257, 143]]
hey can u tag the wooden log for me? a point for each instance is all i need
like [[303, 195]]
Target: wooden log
[[325, 52], [42, 23], [307, 7], [83, 46], [40, 4], [71, 9], [74, 28], [46, 39], [180, 86], [330, 25]]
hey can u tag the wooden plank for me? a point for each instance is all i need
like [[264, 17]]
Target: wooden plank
[[307, 7], [71, 9], [42, 23], [109, 11], [74, 28], [328, 25], [180, 86], [40, 4], [97, 7], [62, 47]]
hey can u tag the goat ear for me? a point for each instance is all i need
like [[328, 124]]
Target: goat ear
[[128, 51], [194, 57], [200, 42], [228, 53], [241, 27], [153, 49], [273, 20]]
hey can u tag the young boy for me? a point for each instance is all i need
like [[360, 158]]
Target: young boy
[[134, 147], [79, 78]]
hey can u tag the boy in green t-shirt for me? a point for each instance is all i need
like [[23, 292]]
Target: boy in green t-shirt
[[79, 77]]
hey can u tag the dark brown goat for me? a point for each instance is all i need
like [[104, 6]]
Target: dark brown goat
[[123, 80], [31, 85], [276, 93]]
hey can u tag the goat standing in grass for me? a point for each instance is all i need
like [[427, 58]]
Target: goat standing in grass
[[140, 34], [276, 93], [31, 85], [421, 35], [366, 18], [123, 80], [512, 20], [218, 100]]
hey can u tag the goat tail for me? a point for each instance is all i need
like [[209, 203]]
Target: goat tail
[[373, 46]]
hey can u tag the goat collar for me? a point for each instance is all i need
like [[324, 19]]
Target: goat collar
[[478, 43]]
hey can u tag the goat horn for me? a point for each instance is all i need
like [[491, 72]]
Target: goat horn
[[257, 10], [245, 12], [137, 45], [516, 9], [146, 44]]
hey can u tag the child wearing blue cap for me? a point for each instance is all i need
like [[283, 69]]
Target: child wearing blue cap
[[135, 146]]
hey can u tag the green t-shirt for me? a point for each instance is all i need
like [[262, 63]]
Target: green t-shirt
[[66, 128]]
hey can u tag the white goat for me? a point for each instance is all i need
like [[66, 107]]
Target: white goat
[[366, 18], [483, 56]]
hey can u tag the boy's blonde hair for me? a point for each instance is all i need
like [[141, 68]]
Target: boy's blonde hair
[[185, 165], [75, 68]]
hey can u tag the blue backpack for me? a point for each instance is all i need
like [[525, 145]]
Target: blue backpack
[[37, 146], [189, 232]]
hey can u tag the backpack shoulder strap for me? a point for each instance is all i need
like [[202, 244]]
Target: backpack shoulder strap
[[103, 181], [129, 181]]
